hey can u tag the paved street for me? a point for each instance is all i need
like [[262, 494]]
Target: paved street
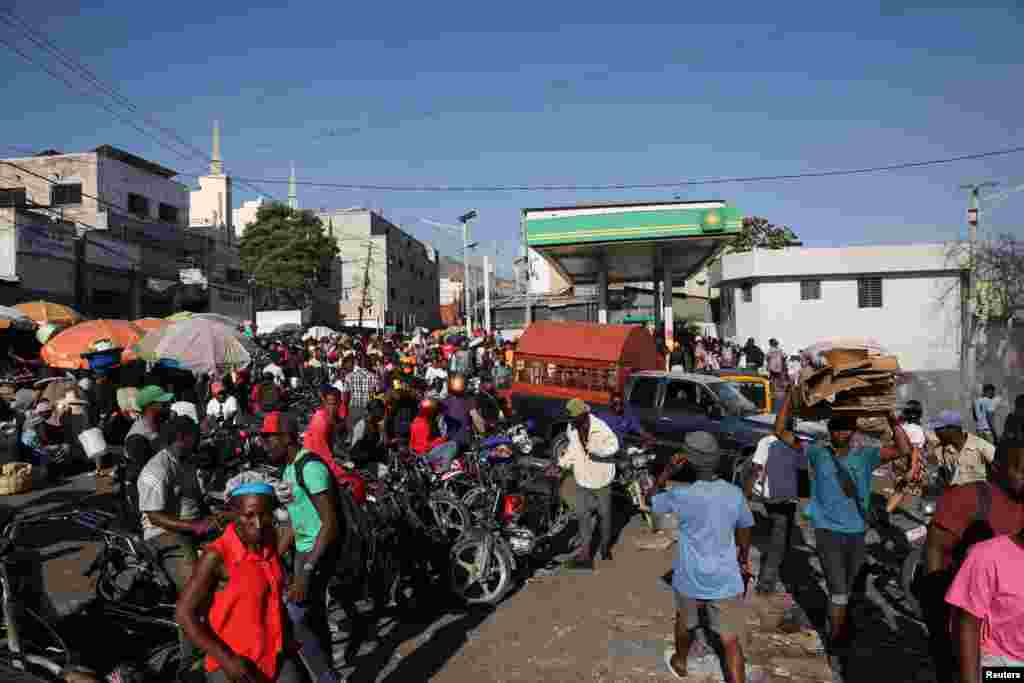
[[612, 625]]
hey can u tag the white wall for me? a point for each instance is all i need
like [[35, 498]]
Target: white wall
[[210, 205], [246, 214], [918, 321]]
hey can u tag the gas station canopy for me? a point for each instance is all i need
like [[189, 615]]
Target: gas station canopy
[[635, 242]]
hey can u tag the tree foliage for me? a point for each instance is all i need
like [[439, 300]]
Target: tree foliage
[[758, 233], [287, 253]]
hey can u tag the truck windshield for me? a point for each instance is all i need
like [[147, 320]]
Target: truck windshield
[[732, 400]]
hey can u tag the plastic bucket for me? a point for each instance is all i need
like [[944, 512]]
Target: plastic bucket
[[93, 443]]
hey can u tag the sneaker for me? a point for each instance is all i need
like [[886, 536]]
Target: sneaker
[[579, 564]]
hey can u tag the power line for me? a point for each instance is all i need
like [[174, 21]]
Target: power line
[[644, 186], [40, 40]]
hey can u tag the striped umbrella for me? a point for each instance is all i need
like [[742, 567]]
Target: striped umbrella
[[148, 325], [15, 318]]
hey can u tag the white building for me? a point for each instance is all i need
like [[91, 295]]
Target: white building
[[905, 296], [543, 278], [211, 205], [246, 214]]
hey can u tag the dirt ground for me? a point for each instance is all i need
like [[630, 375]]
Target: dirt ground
[[613, 624]]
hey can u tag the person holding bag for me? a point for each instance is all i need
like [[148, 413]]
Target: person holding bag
[[839, 508]]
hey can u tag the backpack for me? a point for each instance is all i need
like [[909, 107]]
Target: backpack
[[353, 521], [979, 529], [775, 364]]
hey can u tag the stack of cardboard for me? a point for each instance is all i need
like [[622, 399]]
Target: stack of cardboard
[[852, 382]]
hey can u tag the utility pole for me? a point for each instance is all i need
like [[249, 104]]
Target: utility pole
[[366, 282], [487, 294], [969, 319]]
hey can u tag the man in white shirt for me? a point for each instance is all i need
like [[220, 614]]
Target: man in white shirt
[[435, 372], [274, 369], [591, 455], [222, 408]]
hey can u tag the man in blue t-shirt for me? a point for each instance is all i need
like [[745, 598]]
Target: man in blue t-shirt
[[985, 414], [623, 422], [713, 565], [841, 497]]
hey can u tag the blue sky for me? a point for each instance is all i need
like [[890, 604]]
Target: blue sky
[[557, 93]]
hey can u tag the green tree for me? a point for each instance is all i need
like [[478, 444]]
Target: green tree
[[287, 253], [758, 232]]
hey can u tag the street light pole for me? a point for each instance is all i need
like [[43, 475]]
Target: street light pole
[[465, 219]]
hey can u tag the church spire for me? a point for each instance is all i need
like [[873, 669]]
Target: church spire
[[216, 165], [293, 197]]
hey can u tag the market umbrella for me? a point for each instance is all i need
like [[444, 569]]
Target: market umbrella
[[218, 318], [198, 345], [148, 325], [319, 332], [180, 315], [15, 318], [65, 349], [48, 312]]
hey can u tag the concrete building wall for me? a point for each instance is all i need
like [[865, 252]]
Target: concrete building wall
[[246, 214], [919, 319], [403, 275], [81, 168], [211, 204], [117, 180]]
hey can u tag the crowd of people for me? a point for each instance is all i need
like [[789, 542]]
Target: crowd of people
[[254, 615]]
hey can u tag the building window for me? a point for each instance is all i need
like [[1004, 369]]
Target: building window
[[810, 290], [392, 293], [138, 205], [869, 292], [168, 213], [12, 196], [63, 194], [747, 292], [233, 275]]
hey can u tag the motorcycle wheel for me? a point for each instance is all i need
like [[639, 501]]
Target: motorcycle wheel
[[450, 515], [913, 565], [479, 503], [467, 582], [558, 446]]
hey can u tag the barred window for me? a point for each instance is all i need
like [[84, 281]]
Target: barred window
[[566, 376], [66, 193], [747, 292], [869, 292], [810, 290]]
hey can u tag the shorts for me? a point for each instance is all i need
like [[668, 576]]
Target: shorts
[[726, 617], [842, 556]]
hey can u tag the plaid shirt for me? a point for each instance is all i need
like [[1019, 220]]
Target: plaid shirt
[[360, 385]]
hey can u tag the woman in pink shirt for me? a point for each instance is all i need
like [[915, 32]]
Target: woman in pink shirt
[[989, 592]]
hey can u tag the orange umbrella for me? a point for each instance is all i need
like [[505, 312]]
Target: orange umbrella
[[65, 349], [48, 312], [150, 324]]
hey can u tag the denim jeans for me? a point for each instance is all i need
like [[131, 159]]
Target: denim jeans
[[782, 517], [309, 619]]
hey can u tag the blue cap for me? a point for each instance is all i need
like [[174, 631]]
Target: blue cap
[[253, 488], [947, 419]]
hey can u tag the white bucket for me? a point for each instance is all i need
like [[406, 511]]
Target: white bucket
[[93, 442]]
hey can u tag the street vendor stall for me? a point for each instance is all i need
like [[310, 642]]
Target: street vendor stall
[[558, 361]]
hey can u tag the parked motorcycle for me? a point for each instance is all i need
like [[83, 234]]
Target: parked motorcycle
[[519, 512], [634, 479]]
